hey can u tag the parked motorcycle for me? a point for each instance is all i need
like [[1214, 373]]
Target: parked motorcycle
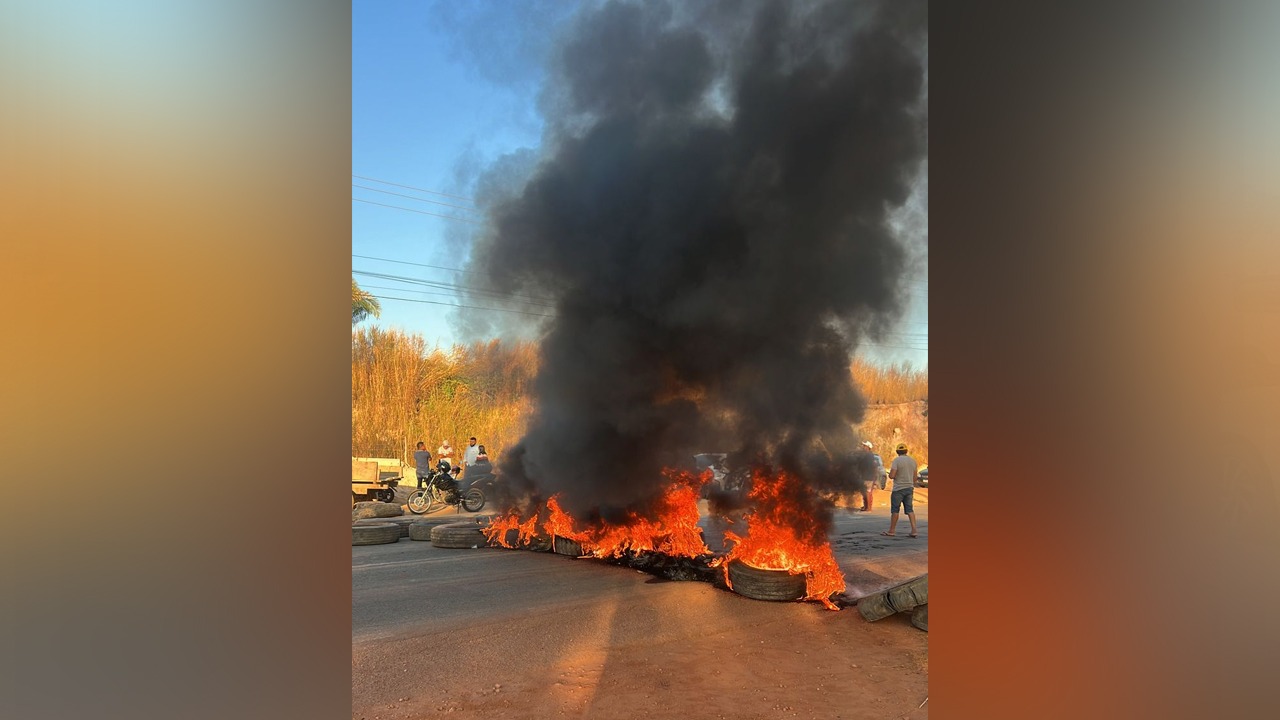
[[441, 490]]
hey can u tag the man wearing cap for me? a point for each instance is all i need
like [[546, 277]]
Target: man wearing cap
[[877, 479], [903, 473]]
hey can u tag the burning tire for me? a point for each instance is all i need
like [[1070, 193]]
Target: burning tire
[[457, 535], [377, 534], [759, 584], [565, 546]]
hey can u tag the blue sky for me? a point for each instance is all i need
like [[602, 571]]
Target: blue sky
[[439, 90]]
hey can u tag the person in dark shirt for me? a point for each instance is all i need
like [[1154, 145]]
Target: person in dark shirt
[[422, 464]]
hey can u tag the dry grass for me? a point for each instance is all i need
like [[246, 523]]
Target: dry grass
[[403, 391], [891, 384], [899, 411]]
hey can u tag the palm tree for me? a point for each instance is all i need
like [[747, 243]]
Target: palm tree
[[363, 305]]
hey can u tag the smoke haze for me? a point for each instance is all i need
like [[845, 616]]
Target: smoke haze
[[708, 224]]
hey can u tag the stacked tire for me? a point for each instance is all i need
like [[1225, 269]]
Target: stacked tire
[[402, 522], [375, 534], [458, 535]]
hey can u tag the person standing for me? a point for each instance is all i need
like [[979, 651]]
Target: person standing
[[470, 453], [903, 473], [422, 463], [882, 475], [445, 452], [869, 488]]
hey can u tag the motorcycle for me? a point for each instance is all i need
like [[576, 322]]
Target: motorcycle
[[441, 489]]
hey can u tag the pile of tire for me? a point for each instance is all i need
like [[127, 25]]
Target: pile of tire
[[375, 534], [760, 584], [403, 522], [457, 535]]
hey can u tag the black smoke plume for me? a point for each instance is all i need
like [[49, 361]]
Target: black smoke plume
[[708, 223]]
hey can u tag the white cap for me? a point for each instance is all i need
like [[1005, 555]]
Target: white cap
[[867, 444]]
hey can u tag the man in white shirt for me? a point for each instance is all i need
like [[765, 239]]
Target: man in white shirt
[[445, 452], [469, 454]]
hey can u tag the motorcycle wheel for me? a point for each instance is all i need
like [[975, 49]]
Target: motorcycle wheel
[[419, 502], [472, 500]]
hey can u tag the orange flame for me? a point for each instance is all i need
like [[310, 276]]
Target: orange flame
[[496, 531], [782, 536], [670, 527]]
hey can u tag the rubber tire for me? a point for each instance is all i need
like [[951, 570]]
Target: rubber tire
[[565, 546], [425, 505], [458, 535], [758, 584], [421, 531], [380, 534], [920, 617], [402, 522], [902, 597], [539, 543], [472, 500]]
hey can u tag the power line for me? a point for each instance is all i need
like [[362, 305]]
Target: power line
[[420, 212], [419, 292], [410, 187], [899, 347], [406, 262], [545, 302], [436, 202], [470, 307], [908, 337], [521, 312]]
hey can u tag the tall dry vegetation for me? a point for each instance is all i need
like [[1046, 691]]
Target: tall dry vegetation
[[899, 411], [402, 391], [890, 384]]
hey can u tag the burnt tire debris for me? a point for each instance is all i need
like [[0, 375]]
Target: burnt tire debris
[[565, 546]]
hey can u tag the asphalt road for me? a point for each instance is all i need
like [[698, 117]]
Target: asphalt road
[[499, 633]]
